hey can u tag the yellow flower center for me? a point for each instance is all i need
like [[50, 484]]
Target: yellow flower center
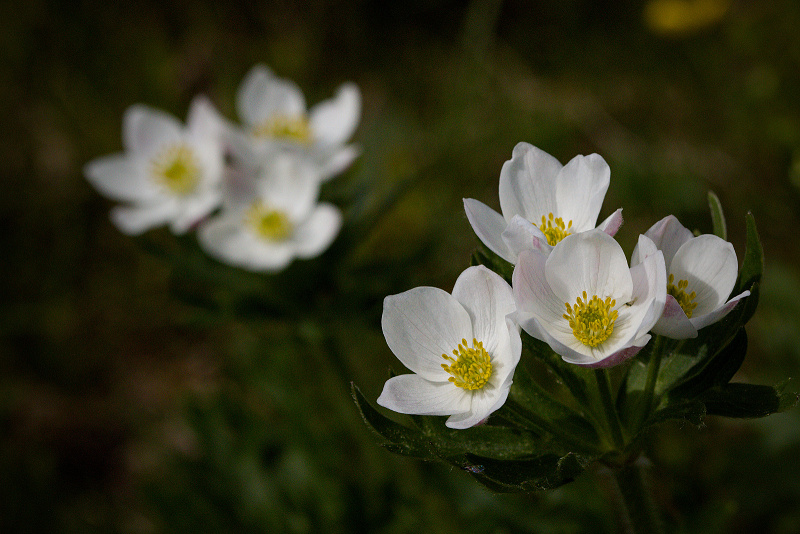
[[679, 292], [296, 129], [554, 229], [176, 168], [471, 367], [269, 224], [591, 320]]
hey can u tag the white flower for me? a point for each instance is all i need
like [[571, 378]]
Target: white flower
[[168, 173], [274, 114], [584, 301], [542, 202], [461, 347], [269, 220], [701, 271]]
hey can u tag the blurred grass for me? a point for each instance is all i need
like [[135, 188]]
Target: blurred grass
[[125, 407]]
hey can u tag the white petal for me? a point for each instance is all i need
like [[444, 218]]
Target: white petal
[[422, 324], [263, 96], [644, 248], [580, 188], [488, 226], [646, 306], [521, 234], [317, 233], [484, 402], [337, 161], [194, 210], [147, 130], [535, 300], [488, 299], [334, 121], [709, 264], [668, 234], [133, 220], [203, 119], [704, 320], [612, 223], [225, 239], [527, 183], [673, 322], [589, 261], [291, 184], [118, 178], [412, 394]]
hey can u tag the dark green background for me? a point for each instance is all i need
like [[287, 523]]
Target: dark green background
[[132, 401]]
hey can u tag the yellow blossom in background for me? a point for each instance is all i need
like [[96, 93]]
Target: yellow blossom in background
[[683, 17]]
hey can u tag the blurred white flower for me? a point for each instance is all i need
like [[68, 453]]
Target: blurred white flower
[[168, 173], [271, 218], [461, 347], [542, 202], [584, 301], [274, 114], [701, 271]]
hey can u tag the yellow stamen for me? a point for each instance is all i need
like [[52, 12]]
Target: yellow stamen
[[554, 229], [269, 224], [473, 367], [679, 292], [296, 129], [176, 168], [591, 320]]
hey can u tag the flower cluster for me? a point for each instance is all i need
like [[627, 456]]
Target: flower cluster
[[250, 189], [572, 288]]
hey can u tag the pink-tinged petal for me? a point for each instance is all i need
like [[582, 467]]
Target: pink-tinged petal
[[120, 178], [134, 220], [612, 223], [618, 357], [421, 325], [592, 262], [521, 234], [668, 234], [311, 238], [488, 226], [412, 394], [147, 130], [263, 96], [709, 264], [527, 183], [488, 299], [673, 322], [580, 188], [702, 321], [334, 121]]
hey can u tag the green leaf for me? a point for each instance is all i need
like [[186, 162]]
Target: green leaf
[[717, 216], [748, 400], [753, 263], [396, 437], [714, 371], [692, 411], [574, 377], [535, 474]]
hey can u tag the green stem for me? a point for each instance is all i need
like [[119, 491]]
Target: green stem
[[646, 404], [612, 418], [636, 507], [530, 421]]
